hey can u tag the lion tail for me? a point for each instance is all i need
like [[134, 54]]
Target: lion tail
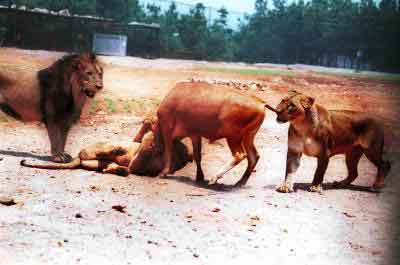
[[270, 108], [76, 162]]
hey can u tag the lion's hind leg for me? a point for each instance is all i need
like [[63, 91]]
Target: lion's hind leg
[[352, 159], [383, 167], [93, 165], [111, 151], [372, 142]]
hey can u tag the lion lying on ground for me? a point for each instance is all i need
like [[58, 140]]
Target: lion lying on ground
[[144, 157], [318, 132]]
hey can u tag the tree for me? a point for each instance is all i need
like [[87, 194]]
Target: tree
[[153, 14], [219, 42], [193, 30], [114, 9], [170, 37]]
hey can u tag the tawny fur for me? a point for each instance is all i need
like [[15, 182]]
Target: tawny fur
[[141, 158], [321, 133], [55, 95]]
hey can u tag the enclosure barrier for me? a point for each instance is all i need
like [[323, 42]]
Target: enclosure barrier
[[33, 30]]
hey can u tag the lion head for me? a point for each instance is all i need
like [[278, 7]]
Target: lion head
[[87, 74], [81, 73], [293, 107]]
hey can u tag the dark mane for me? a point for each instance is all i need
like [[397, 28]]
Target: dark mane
[[52, 82], [47, 75], [64, 61]]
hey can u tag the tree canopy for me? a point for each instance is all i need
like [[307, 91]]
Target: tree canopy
[[312, 32]]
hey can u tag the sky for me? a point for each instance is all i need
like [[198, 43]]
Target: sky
[[236, 8], [246, 6]]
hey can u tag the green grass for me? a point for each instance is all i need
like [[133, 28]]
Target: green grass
[[140, 105], [127, 107], [93, 106], [110, 105], [282, 72], [137, 106], [244, 71], [366, 75]]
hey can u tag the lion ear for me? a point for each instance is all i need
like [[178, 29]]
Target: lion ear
[[307, 102], [292, 92], [76, 64]]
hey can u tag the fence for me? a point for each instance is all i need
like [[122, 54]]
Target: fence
[[32, 30]]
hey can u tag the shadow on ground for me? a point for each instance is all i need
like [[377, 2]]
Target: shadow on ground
[[25, 155]]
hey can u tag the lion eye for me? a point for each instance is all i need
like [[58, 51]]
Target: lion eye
[[89, 73], [291, 107]]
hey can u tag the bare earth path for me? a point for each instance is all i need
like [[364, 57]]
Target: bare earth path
[[66, 217]]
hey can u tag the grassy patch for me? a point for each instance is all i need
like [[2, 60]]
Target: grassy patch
[[137, 106], [243, 71], [368, 75], [140, 106], [110, 105], [93, 106]]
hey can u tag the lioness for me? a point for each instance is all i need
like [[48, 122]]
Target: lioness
[[318, 132], [142, 158]]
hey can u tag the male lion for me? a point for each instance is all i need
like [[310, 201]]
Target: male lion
[[318, 132], [142, 158], [55, 96]]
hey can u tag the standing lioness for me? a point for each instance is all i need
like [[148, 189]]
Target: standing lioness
[[318, 132]]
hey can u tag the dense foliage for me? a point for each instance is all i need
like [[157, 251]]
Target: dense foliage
[[313, 32]]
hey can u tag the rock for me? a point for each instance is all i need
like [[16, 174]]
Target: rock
[[119, 208], [255, 218], [348, 215], [7, 201], [78, 215]]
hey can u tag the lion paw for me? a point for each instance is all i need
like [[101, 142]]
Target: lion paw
[[213, 181], [162, 175], [315, 188], [62, 158], [285, 188]]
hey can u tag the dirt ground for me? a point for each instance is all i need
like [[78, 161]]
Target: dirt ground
[[66, 216]]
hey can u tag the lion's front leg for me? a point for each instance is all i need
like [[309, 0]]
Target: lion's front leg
[[292, 164], [323, 161], [58, 133]]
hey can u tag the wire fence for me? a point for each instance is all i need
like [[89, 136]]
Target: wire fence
[[53, 30]]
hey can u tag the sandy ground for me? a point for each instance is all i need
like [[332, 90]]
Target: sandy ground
[[66, 217]]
